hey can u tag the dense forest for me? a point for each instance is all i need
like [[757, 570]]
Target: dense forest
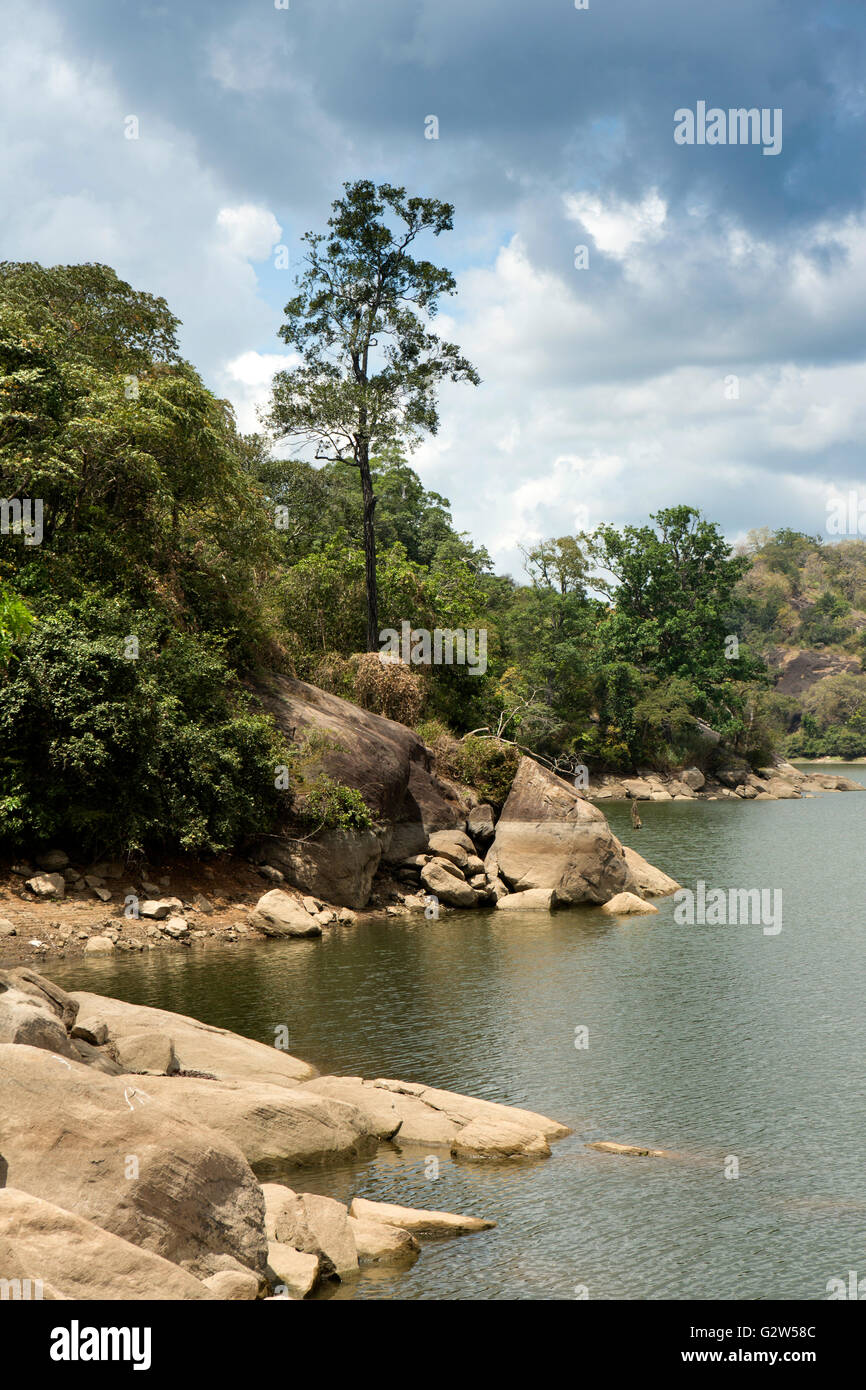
[[176, 558]]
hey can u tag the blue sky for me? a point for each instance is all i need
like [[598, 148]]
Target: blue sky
[[607, 390]]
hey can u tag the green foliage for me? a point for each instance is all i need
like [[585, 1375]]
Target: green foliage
[[16, 620], [116, 754], [331, 805], [488, 766]]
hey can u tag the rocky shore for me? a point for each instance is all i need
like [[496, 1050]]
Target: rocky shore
[[138, 1150], [782, 782]]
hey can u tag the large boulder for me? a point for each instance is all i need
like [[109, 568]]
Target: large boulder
[[39, 1240], [550, 837], [337, 865], [387, 763], [198, 1046], [431, 1116], [272, 1126], [650, 880], [279, 914], [69, 1134], [380, 1114]]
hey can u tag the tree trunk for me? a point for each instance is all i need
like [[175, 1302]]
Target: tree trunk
[[369, 548]]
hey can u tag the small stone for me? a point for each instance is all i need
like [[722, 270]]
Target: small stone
[[160, 908], [346, 916], [103, 894], [312, 906], [202, 904], [176, 927], [99, 946]]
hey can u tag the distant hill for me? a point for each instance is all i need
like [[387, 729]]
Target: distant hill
[[802, 607]]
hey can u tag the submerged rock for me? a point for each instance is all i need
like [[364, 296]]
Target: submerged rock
[[627, 904]]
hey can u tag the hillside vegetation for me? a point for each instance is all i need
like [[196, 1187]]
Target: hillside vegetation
[[178, 557]]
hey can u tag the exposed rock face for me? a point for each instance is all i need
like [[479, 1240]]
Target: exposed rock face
[[481, 823], [432, 1116], [66, 1131], [391, 768], [337, 865], [198, 1046], [279, 914], [272, 1126], [500, 1140], [650, 880], [380, 1114], [79, 1260], [549, 837]]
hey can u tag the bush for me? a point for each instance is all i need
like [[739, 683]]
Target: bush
[[113, 754], [331, 805]]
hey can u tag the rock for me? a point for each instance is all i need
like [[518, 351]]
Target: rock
[[481, 823], [296, 1271], [30, 1022], [147, 1053], [157, 909], [660, 794], [199, 1046], [47, 885], [96, 1036], [784, 791], [648, 878], [380, 1115], [176, 927], [628, 1150], [431, 1116], [103, 894], [418, 1221], [98, 946], [7, 928], [693, 777], [233, 1285], [269, 872], [78, 1257], [203, 904], [346, 916], [380, 1244], [338, 865], [52, 860], [279, 914], [46, 991], [624, 904], [453, 845], [529, 899], [318, 1226], [637, 788], [272, 1126], [93, 880], [442, 877], [499, 1139], [325, 917], [550, 837], [732, 776], [67, 1135], [312, 906]]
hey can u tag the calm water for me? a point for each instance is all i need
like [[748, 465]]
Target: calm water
[[710, 1041]]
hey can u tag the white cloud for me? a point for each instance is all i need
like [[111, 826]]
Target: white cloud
[[249, 231], [616, 226]]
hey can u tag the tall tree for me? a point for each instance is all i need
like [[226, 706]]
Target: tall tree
[[370, 363]]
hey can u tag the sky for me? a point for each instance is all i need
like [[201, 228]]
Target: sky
[[705, 346]]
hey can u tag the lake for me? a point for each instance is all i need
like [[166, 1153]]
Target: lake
[[733, 1048]]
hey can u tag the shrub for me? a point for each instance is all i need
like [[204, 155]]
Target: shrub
[[114, 754], [331, 805]]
